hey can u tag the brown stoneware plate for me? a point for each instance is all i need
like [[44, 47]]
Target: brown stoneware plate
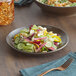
[[56, 10], [57, 30]]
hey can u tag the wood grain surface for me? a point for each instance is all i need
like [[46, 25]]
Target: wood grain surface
[[11, 61]]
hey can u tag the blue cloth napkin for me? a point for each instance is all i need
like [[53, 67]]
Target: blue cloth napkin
[[35, 71], [22, 2]]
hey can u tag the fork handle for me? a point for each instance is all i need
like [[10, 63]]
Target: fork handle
[[42, 74]]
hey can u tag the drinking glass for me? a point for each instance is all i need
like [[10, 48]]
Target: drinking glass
[[6, 12]]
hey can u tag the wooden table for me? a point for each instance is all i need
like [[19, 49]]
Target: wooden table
[[10, 61]]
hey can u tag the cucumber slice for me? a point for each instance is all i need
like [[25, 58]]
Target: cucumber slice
[[24, 31], [28, 50], [17, 40], [20, 46], [49, 44], [29, 47], [54, 46]]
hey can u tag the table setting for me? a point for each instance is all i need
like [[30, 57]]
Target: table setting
[[37, 70], [37, 37]]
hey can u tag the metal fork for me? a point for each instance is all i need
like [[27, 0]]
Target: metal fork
[[60, 68]]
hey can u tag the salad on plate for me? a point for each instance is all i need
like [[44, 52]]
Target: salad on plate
[[36, 39]]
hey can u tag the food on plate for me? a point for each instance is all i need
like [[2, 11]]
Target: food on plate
[[36, 39], [59, 3]]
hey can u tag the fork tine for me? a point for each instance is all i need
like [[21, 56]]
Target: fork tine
[[67, 63]]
